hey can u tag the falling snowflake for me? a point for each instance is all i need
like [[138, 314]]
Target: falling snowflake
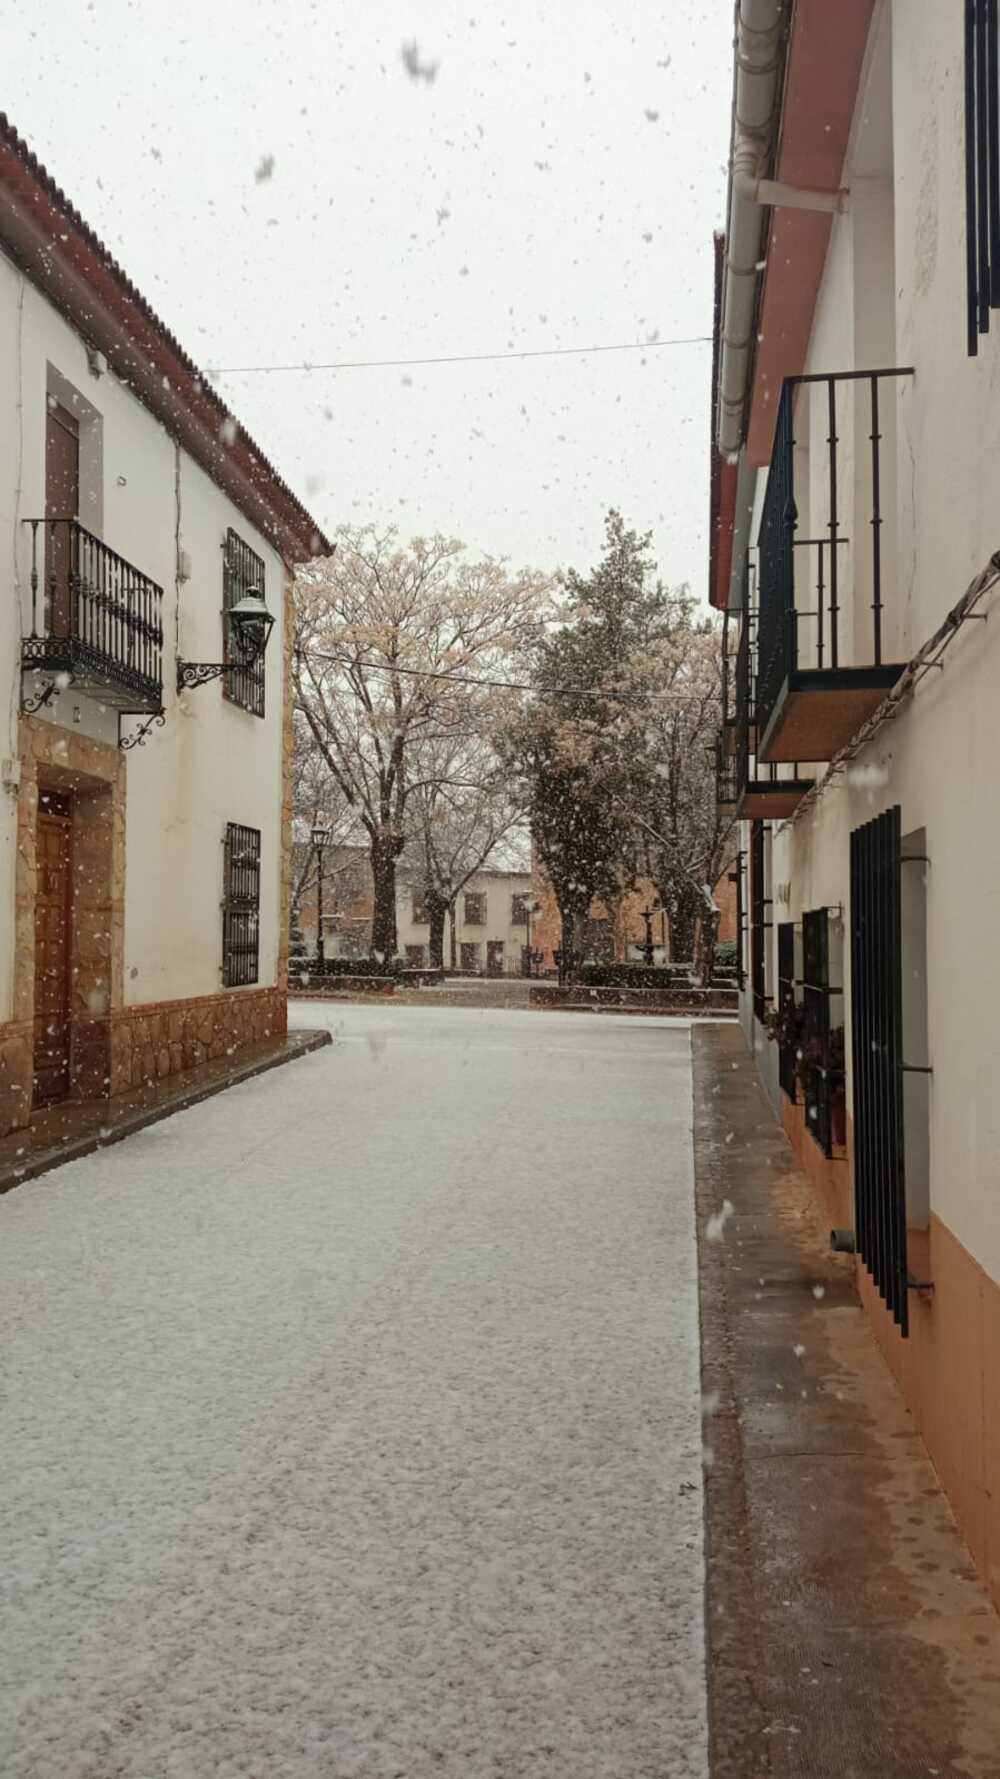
[[717, 1222], [415, 68], [264, 168]]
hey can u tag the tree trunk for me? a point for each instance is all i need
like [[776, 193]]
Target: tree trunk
[[684, 907], [436, 912], [708, 932], [384, 854], [453, 932]]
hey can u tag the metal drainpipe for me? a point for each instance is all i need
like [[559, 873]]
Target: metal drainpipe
[[758, 62], [759, 27]]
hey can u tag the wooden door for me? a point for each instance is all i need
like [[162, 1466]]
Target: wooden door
[[494, 957], [52, 947], [62, 502]]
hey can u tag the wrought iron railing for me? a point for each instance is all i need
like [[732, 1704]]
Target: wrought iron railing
[[815, 579], [94, 617]]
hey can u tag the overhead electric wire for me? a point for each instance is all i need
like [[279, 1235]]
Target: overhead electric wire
[[513, 685], [374, 364]]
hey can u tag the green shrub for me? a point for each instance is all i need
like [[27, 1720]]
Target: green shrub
[[725, 954], [354, 966], [634, 976]]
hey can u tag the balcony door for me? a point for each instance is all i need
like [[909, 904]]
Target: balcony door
[[62, 501], [52, 947]]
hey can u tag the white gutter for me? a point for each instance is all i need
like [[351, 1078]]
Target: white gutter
[[758, 63]]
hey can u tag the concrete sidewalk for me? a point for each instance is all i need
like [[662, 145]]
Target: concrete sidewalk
[[848, 1635]]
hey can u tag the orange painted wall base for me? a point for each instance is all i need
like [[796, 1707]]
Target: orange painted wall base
[[948, 1367]]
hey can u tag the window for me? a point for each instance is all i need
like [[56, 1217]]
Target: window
[[982, 169], [519, 910], [241, 906], [418, 909], [475, 909], [470, 955], [242, 573], [415, 957]]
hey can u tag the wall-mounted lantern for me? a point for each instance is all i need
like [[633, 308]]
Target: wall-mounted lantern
[[250, 628]]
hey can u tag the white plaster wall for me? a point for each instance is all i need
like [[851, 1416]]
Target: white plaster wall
[[212, 762]]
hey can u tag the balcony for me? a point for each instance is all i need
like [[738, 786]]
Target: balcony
[[763, 792], [830, 646], [94, 618]]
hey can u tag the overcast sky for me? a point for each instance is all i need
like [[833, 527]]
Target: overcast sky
[[556, 184]]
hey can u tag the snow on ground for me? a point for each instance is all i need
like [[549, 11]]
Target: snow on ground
[[351, 1424]]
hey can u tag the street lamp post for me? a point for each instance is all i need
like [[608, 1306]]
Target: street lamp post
[[648, 949], [530, 908], [320, 840]]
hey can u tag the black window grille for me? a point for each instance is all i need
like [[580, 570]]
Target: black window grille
[[242, 573], [877, 1032], [760, 919], [241, 906], [786, 1003], [982, 167]]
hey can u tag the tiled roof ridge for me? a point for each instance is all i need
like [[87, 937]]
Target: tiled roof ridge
[[54, 192]]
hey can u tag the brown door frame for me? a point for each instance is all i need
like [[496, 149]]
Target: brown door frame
[[57, 814]]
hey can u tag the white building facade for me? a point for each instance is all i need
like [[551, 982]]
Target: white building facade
[[143, 822], [856, 521], [487, 931]]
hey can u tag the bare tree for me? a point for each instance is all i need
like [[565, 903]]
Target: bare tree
[[317, 802], [389, 645], [463, 807], [686, 841]]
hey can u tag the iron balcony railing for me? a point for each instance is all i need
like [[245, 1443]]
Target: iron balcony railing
[[94, 617], [821, 581]]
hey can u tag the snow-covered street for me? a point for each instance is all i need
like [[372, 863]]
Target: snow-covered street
[[351, 1422]]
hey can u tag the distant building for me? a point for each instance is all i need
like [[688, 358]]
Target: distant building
[[487, 932], [619, 935]]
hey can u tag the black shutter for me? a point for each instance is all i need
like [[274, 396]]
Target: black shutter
[[877, 1028], [982, 167], [759, 920]]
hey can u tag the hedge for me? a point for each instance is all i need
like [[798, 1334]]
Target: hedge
[[353, 966], [725, 954], [635, 975]]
